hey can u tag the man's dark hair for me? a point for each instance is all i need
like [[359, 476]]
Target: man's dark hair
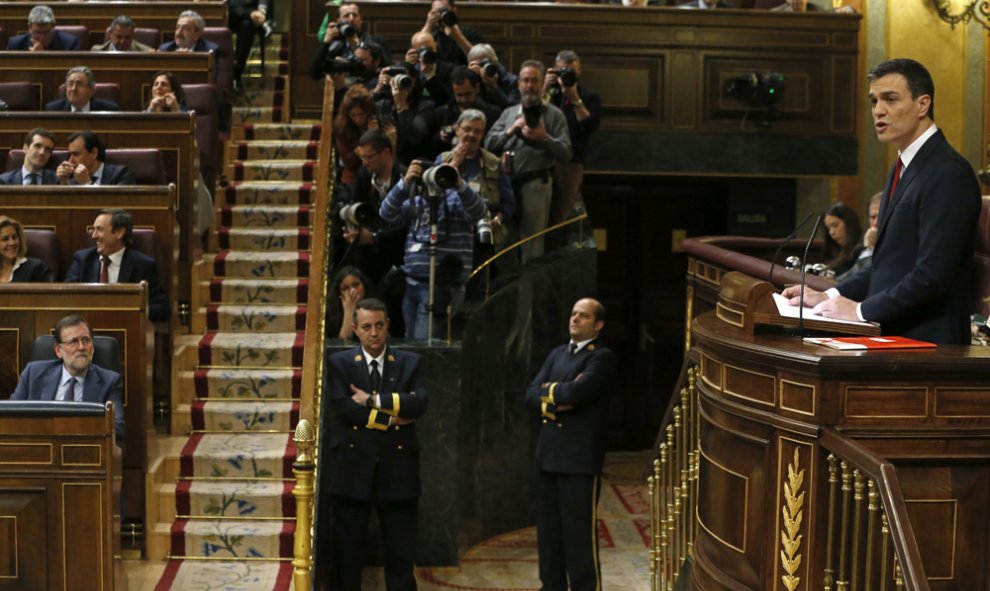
[[370, 304], [120, 218], [29, 136], [567, 56], [72, 320], [123, 21], [373, 48], [919, 81], [376, 138], [91, 140], [462, 73], [533, 64]]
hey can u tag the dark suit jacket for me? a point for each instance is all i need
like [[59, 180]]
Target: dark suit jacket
[[32, 270], [60, 42], [918, 283], [117, 174], [573, 441], [40, 381], [369, 461], [134, 268], [95, 104], [201, 46], [14, 177]]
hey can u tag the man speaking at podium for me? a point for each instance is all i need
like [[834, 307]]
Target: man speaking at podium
[[918, 285]]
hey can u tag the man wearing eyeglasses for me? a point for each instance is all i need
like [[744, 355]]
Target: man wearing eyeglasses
[[42, 35], [73, 377]]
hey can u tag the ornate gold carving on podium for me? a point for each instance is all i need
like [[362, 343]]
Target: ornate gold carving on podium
[[793, 514]]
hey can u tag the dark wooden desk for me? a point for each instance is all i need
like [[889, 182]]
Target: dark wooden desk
[[97, 16], [172, 133], [58, 497], [119, 311], [764, 399]]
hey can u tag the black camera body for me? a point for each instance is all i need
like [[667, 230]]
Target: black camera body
[[490, 68], [532, 114], [448, 17], [567, 76], [349, 66], [346, 29]]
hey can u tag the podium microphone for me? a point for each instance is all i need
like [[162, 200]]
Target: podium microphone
[[787, 240], [804, 272]]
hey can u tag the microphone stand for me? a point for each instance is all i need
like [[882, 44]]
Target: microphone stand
[[787, 240], [804, 274]]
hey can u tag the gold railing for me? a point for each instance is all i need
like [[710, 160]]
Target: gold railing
[[870, 544], [673, 484]]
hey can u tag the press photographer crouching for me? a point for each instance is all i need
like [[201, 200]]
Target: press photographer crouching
[[365, 240], [483, 172], [441, 211]]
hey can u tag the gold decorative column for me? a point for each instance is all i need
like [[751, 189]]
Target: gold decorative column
[[303, 470]]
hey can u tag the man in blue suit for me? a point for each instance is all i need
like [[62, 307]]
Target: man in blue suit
[[38, 146], [376, 394], [73, 376], [571, 395], [918, 283], [86, 165], [42, 35], [189, 35], [113, 261], [80, 85]]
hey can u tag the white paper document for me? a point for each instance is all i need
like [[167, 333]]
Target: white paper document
[[788, 311]]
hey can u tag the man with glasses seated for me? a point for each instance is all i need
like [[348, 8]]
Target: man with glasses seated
[[42, 35], [73, 377], [80, 85]]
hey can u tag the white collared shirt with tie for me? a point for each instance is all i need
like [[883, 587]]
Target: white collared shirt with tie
[[70, 388]]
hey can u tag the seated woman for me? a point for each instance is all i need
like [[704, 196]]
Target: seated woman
[[166, 94], [348, 287], [843, 242], [15, 267]]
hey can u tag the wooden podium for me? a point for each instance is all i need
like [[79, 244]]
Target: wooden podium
[[773, 415], [59, 500]]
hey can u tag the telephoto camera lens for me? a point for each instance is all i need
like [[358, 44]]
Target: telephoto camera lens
[[440, 178], [489, 68], [427, 56], [404, 82], [357, 214], [532, 114], [346, 29], [447, 17]]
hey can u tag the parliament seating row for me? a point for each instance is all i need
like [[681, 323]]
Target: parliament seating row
[[42, 243], [147, 164]]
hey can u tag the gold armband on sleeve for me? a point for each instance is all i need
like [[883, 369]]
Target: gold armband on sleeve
[[377, 420]]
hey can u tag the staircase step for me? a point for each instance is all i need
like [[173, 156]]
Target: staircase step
[[273, 170], [282, 131], [217, 538], [238, 455], [275, 150], [265, 216], [261, 265], [257, 115], [274, 350], [240, 576], [252, 291], [250, 82], [256, 319], [247, 383], [260, 98], [249, 416], [204, 498], [267, 239], [268, 193]]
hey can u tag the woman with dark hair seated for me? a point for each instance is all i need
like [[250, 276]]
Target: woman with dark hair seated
[[348, 287], [15, 267], [166, 94], [844, 240]]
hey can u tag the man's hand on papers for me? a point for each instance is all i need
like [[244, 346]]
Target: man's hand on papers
[[837, 307], [811, 296]]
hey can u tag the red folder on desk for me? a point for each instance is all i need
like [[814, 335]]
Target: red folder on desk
[[869, 343]]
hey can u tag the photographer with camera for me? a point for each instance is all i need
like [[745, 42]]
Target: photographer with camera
[[483, 172], [434, 72], [531, 138], [365, 240], [498, 85], [453, 41], [340, 42], [583, 110], [466, 87], [441, 211], [399, 96]]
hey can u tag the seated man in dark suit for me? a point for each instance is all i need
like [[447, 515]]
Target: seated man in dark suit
[[42, 35], [80, 84], [121, 37], [38, 146], [73, 377], [85, 165], [113, 261], [189, 35]]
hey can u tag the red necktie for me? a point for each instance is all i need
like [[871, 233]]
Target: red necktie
[[105, 269], [897, 178]]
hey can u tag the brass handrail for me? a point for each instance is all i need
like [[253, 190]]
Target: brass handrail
[[525, 240]]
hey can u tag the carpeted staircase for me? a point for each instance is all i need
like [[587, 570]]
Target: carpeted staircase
[[236, 380]]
